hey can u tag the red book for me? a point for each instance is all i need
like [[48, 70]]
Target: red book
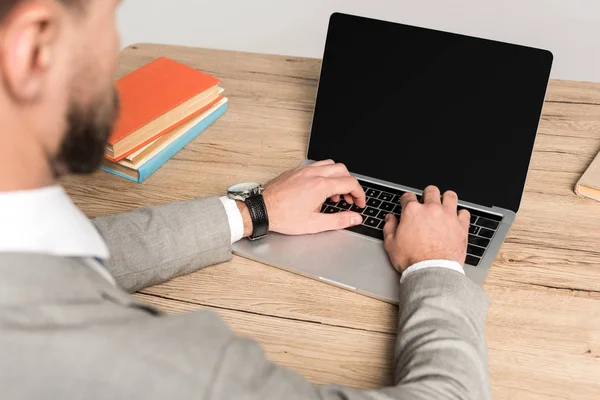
[[155, 99]]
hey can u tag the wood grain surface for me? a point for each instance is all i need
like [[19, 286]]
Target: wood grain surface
[[543, 326]]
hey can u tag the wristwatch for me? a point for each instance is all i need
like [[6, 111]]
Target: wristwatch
[[251, 194]]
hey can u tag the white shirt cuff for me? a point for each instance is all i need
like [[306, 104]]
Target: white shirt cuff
[[236, 223], [453, 265]]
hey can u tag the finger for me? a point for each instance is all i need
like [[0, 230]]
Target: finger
[[407, 198], [318, 209], [330, 170], [332, 222], [431, 195], [450, 201], [348, 198], [390, 227], [361, 200], [347, 184], [465, 218], [321, 163], [336, 198]]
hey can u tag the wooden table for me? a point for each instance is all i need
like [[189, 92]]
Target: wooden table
[[543, 327]]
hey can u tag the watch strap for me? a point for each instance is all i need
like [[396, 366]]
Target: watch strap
[[260, 219]]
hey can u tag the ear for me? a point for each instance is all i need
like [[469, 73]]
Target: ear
[[27, 46]]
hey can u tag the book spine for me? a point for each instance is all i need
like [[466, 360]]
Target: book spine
[[158, 161]]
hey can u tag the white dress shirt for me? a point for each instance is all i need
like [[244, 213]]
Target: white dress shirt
[[45, 221]]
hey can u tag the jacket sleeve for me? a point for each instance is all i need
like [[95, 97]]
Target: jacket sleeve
[[440, 353], [149, 246]]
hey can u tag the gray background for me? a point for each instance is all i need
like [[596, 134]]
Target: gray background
[[569, 28]]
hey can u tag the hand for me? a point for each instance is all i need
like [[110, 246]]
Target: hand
[[429, 231], [295, 198]]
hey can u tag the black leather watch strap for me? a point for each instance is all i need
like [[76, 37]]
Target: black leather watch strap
[[260, 218]]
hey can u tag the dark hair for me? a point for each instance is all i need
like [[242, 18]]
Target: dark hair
[[7, 5]]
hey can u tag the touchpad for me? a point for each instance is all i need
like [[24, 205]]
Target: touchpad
[[350, 260], [341, 258]]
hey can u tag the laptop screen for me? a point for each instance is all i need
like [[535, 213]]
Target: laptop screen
[[420, 107]]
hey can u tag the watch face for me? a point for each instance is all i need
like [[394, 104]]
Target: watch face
[[244, 190]]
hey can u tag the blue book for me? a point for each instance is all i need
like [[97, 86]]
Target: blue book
[[147, 169]]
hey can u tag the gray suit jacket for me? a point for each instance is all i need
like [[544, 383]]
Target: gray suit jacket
[[67, 333]]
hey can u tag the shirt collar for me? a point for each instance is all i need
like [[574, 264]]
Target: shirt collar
[[45, 221]]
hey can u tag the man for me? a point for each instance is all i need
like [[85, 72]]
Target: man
[[67, 328]]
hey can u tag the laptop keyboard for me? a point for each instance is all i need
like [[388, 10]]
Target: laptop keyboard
[[383, 200]]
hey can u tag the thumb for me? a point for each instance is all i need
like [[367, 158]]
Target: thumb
[[342, 220]]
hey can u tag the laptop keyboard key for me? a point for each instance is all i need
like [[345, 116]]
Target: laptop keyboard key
[[372, 193], [387, 206], [331, 210], [472, 260], [357, 209], [479, 241], [486, 233], [343, 205], [373, 202], [386, 196], [367, 231], [397, 209], [475, 251], [329, 202], [371, 221], [370, 212], [474, 230], [396, 199], [473, 218], [323, 208], [383, 214], [487, 223]]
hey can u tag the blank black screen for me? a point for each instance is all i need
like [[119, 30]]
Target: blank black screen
[[417, 107]]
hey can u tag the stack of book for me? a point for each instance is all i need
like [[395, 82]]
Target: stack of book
[[164, 106]]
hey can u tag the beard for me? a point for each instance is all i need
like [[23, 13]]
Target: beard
[[88, 130]]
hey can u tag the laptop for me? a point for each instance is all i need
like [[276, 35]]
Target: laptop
[[406, 107]]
